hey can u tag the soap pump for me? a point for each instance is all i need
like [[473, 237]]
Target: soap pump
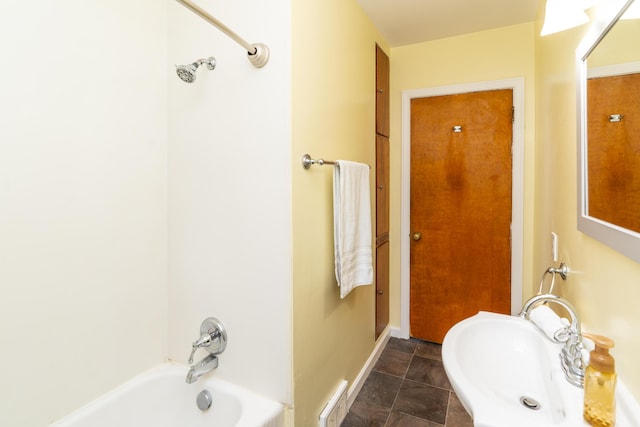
[[600, 384]]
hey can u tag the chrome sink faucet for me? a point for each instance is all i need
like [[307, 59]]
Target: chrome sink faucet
[[213, 338], [571, 353]]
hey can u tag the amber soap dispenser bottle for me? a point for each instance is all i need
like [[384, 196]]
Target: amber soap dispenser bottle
[[600, 384]]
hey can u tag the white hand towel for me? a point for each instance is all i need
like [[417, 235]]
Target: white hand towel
[[352, 225], [547, 320]]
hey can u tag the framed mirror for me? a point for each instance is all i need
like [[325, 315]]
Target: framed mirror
[[608, 95]]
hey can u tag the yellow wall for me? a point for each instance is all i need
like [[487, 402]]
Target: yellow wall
[[614, 48], [603, 285], [489, 55], [333, 98]]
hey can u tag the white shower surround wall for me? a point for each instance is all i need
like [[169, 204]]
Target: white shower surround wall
[[83, 209], [122, 214], [230, 192]]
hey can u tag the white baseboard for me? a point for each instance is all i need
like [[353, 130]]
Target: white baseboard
[[358, 382], [398, 333]]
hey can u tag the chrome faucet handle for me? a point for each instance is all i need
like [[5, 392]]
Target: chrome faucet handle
[[203, 341], [211, 331]]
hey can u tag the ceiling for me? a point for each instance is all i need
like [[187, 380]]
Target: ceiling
[[403, 22]]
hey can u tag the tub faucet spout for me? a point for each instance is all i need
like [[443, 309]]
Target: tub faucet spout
[[207, 364]]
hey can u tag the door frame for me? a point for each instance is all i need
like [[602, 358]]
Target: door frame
[[517, 194]]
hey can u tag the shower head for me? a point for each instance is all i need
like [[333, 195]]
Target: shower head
[[187, 73]]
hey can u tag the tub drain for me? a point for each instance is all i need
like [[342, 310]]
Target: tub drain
[[530, 403], [204, 400]]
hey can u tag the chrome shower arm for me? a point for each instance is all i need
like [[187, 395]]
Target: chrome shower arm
[[257, 53]]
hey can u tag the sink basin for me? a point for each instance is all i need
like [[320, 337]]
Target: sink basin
[[507, 373]]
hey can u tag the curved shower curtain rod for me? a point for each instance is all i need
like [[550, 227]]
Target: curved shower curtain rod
[[258, 53]]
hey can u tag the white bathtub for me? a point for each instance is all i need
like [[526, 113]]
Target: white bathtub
[[161, 398]]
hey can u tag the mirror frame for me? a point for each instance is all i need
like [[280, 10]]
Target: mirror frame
[[625, 241]]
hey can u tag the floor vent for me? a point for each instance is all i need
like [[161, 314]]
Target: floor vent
[[336, 409]]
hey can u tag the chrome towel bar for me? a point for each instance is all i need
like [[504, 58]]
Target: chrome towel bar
[[307, 162]]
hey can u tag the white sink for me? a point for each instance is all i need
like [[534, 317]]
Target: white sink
[[502, 367]]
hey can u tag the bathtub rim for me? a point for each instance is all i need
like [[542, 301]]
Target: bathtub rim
[[268, 412]]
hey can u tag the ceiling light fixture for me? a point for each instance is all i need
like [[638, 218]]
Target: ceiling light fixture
[[561, 15], [633, 12]]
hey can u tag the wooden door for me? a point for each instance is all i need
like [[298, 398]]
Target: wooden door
[[382, 233], [382, 287], [382, 187], [614, 149], [382, 92], [382, 191], [460, 209]]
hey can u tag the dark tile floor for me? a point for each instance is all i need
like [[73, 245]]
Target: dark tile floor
[[407, 388]]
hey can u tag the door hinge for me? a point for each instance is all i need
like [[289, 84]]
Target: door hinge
[[513, 114]]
